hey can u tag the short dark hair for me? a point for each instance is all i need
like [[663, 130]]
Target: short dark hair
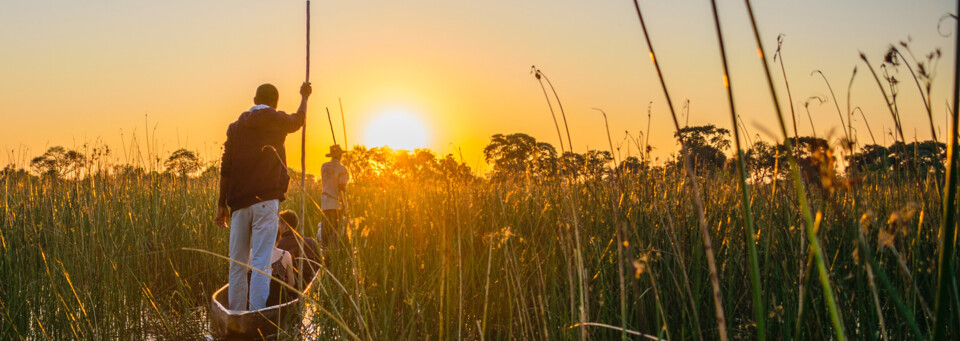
[[266, 94], [290, 217]]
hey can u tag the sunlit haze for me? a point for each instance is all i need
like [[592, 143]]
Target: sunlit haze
[[397, 130], [175, 73]]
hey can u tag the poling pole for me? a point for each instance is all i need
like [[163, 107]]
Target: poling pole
[[303, 165], [346, 145], [329, 120]]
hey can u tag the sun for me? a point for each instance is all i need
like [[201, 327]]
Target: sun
[[397, 130]]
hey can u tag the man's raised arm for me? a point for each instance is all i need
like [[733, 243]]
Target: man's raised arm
[[293, 122]]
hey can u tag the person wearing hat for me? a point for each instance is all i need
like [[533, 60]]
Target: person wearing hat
[[334, 178]]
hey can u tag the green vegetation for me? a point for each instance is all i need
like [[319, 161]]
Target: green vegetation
[[436, 251], [547, 245]]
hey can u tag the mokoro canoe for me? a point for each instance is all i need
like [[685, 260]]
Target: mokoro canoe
[[255, 324]]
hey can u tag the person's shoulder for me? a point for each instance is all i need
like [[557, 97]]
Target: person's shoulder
[[287, 243], [232, 127]]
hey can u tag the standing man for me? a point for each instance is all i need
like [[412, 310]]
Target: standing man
[[334, 177], [253, 181]]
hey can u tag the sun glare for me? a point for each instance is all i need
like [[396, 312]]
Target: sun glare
[[398, 130]]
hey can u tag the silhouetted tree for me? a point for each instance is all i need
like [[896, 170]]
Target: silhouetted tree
[[58, 161], [211, 172], [597, 163], [449, 168], [364, 162], [706, 145], [871, 158], [516, 154], [631, 165], [99, 159], [182, 162], [813, 156], [421, 163], [10, 171], [573, 164], [914, 158], [761, 159], [918, 158], [128, 171]]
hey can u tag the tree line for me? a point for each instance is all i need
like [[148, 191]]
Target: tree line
[[519, 154]]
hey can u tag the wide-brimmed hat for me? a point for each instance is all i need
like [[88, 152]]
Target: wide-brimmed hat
[[335, 151]]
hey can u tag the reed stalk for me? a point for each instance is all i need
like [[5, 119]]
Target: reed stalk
[[834, 96], [948, 238], [537, 74], [646, 136], [616, 211], [862, 115], [849, 144], [886, 99], [925, 97], [779, 55], [559, 104], [798, 186], [759, 311], [691, 175], [806, 107]]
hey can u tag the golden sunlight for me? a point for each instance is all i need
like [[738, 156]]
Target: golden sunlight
[[398, 130]]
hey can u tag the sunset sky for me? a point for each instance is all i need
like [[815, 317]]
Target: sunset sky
[[75, 72]]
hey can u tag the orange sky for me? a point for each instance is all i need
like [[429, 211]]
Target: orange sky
[[85, 71]]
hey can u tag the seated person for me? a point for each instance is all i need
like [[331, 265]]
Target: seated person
[[289, 241]]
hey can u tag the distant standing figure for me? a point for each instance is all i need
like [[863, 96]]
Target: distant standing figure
[[253, 181], [334, 177]]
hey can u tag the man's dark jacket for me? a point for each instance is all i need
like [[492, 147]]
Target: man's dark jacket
[[254, 161]]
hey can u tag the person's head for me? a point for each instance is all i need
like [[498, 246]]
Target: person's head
[[267, 94], [288, 221], [335, 152]]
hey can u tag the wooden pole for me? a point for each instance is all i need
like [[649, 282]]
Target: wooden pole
[[332, 134], [343, 122], [308, 41], [303, 166]]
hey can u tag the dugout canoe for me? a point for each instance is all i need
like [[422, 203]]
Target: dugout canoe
[[255, 324]]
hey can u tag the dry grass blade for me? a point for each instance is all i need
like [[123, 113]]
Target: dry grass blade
[[698, 200], [798, 186], [759, 311]]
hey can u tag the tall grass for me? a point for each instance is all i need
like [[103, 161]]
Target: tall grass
[[946, 282], [694, 186], [811, 231], [103, 256], [119, 242], [759, 310]]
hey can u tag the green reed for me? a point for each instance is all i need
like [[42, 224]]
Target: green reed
[[815, 248], [759, 310]]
